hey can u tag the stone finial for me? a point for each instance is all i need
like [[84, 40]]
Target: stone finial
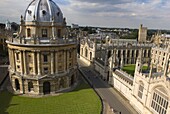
[[34, 17], [21, 17]]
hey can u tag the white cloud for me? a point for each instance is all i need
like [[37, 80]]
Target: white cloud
[[111, 13]]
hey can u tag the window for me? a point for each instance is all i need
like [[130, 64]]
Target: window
[[128, 53], [44, 32], [137, 53], [159, 103], [18, 67], [28, 32], [29, 12], [149, 53], [70, 64], [59, 33], [30, 59], [132, 53], [45, 70], [70, 55], [45, 58], [86, 51], [124, 53], [90, 55], [17, 56], [43, 12], [140, 92], [30, 69], [81, 51]]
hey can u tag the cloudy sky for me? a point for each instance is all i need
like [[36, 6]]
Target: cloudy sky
[[104, 13]]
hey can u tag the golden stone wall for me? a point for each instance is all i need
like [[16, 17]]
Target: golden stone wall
[[27, 65]]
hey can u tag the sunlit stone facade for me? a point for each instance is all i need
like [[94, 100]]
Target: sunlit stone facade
[[42, 57]]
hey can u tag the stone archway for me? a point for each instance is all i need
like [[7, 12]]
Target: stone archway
[[46, 87], [17, 85]]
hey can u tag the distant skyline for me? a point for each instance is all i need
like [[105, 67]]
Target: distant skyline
[[154, 14]]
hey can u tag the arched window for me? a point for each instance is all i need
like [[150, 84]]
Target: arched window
[[140, 91], [159, 102], [128, 53], [145, 53], [59, 33], [30, 86], [70, 54], [137, 53], [124, 53], [132, 53], [44, 33], [109, 54], [17, 85], [81, 51], [28, 32], [90, 55], [86, 51], [149, 53], [119, 54]]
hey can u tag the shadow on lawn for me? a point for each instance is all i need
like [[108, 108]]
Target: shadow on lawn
[[5, 99]]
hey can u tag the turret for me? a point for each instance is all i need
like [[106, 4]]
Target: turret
[[139, 62], [142, 34]]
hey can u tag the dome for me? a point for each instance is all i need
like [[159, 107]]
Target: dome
[[43, 11]]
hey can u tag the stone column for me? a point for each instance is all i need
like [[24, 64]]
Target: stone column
[[135, 56], [147, 51], [74, 58], [56, 62], [122, 59], [52, 62], [21, 63], [130, 59], [126, 57], [25, 63], [10, 59], [39, 63], [65, 59], [34, 63], [13, 60]]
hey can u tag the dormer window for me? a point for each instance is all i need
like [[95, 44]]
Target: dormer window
[[58, 13], [43, 12], [28, 32], [44, 32], [29, 12]]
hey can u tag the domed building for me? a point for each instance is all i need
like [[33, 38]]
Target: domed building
[[42, 57]]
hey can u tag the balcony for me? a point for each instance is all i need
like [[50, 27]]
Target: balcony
[[41, 41]]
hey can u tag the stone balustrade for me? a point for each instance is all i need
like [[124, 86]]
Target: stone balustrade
[[21, 40]]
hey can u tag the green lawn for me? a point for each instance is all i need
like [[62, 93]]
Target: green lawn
[[130, 69], [82, 100]]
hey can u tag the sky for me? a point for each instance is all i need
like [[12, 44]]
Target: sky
[[154, 14]]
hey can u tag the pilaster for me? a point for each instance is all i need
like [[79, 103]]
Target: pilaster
[[52, 62], [22, 63], [39, 62], [56, 62], [25, 63], [34, 63]]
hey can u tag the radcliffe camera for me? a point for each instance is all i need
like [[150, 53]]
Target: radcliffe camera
[[84, 57]]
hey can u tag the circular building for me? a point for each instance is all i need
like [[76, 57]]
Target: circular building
[[42, 57]]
